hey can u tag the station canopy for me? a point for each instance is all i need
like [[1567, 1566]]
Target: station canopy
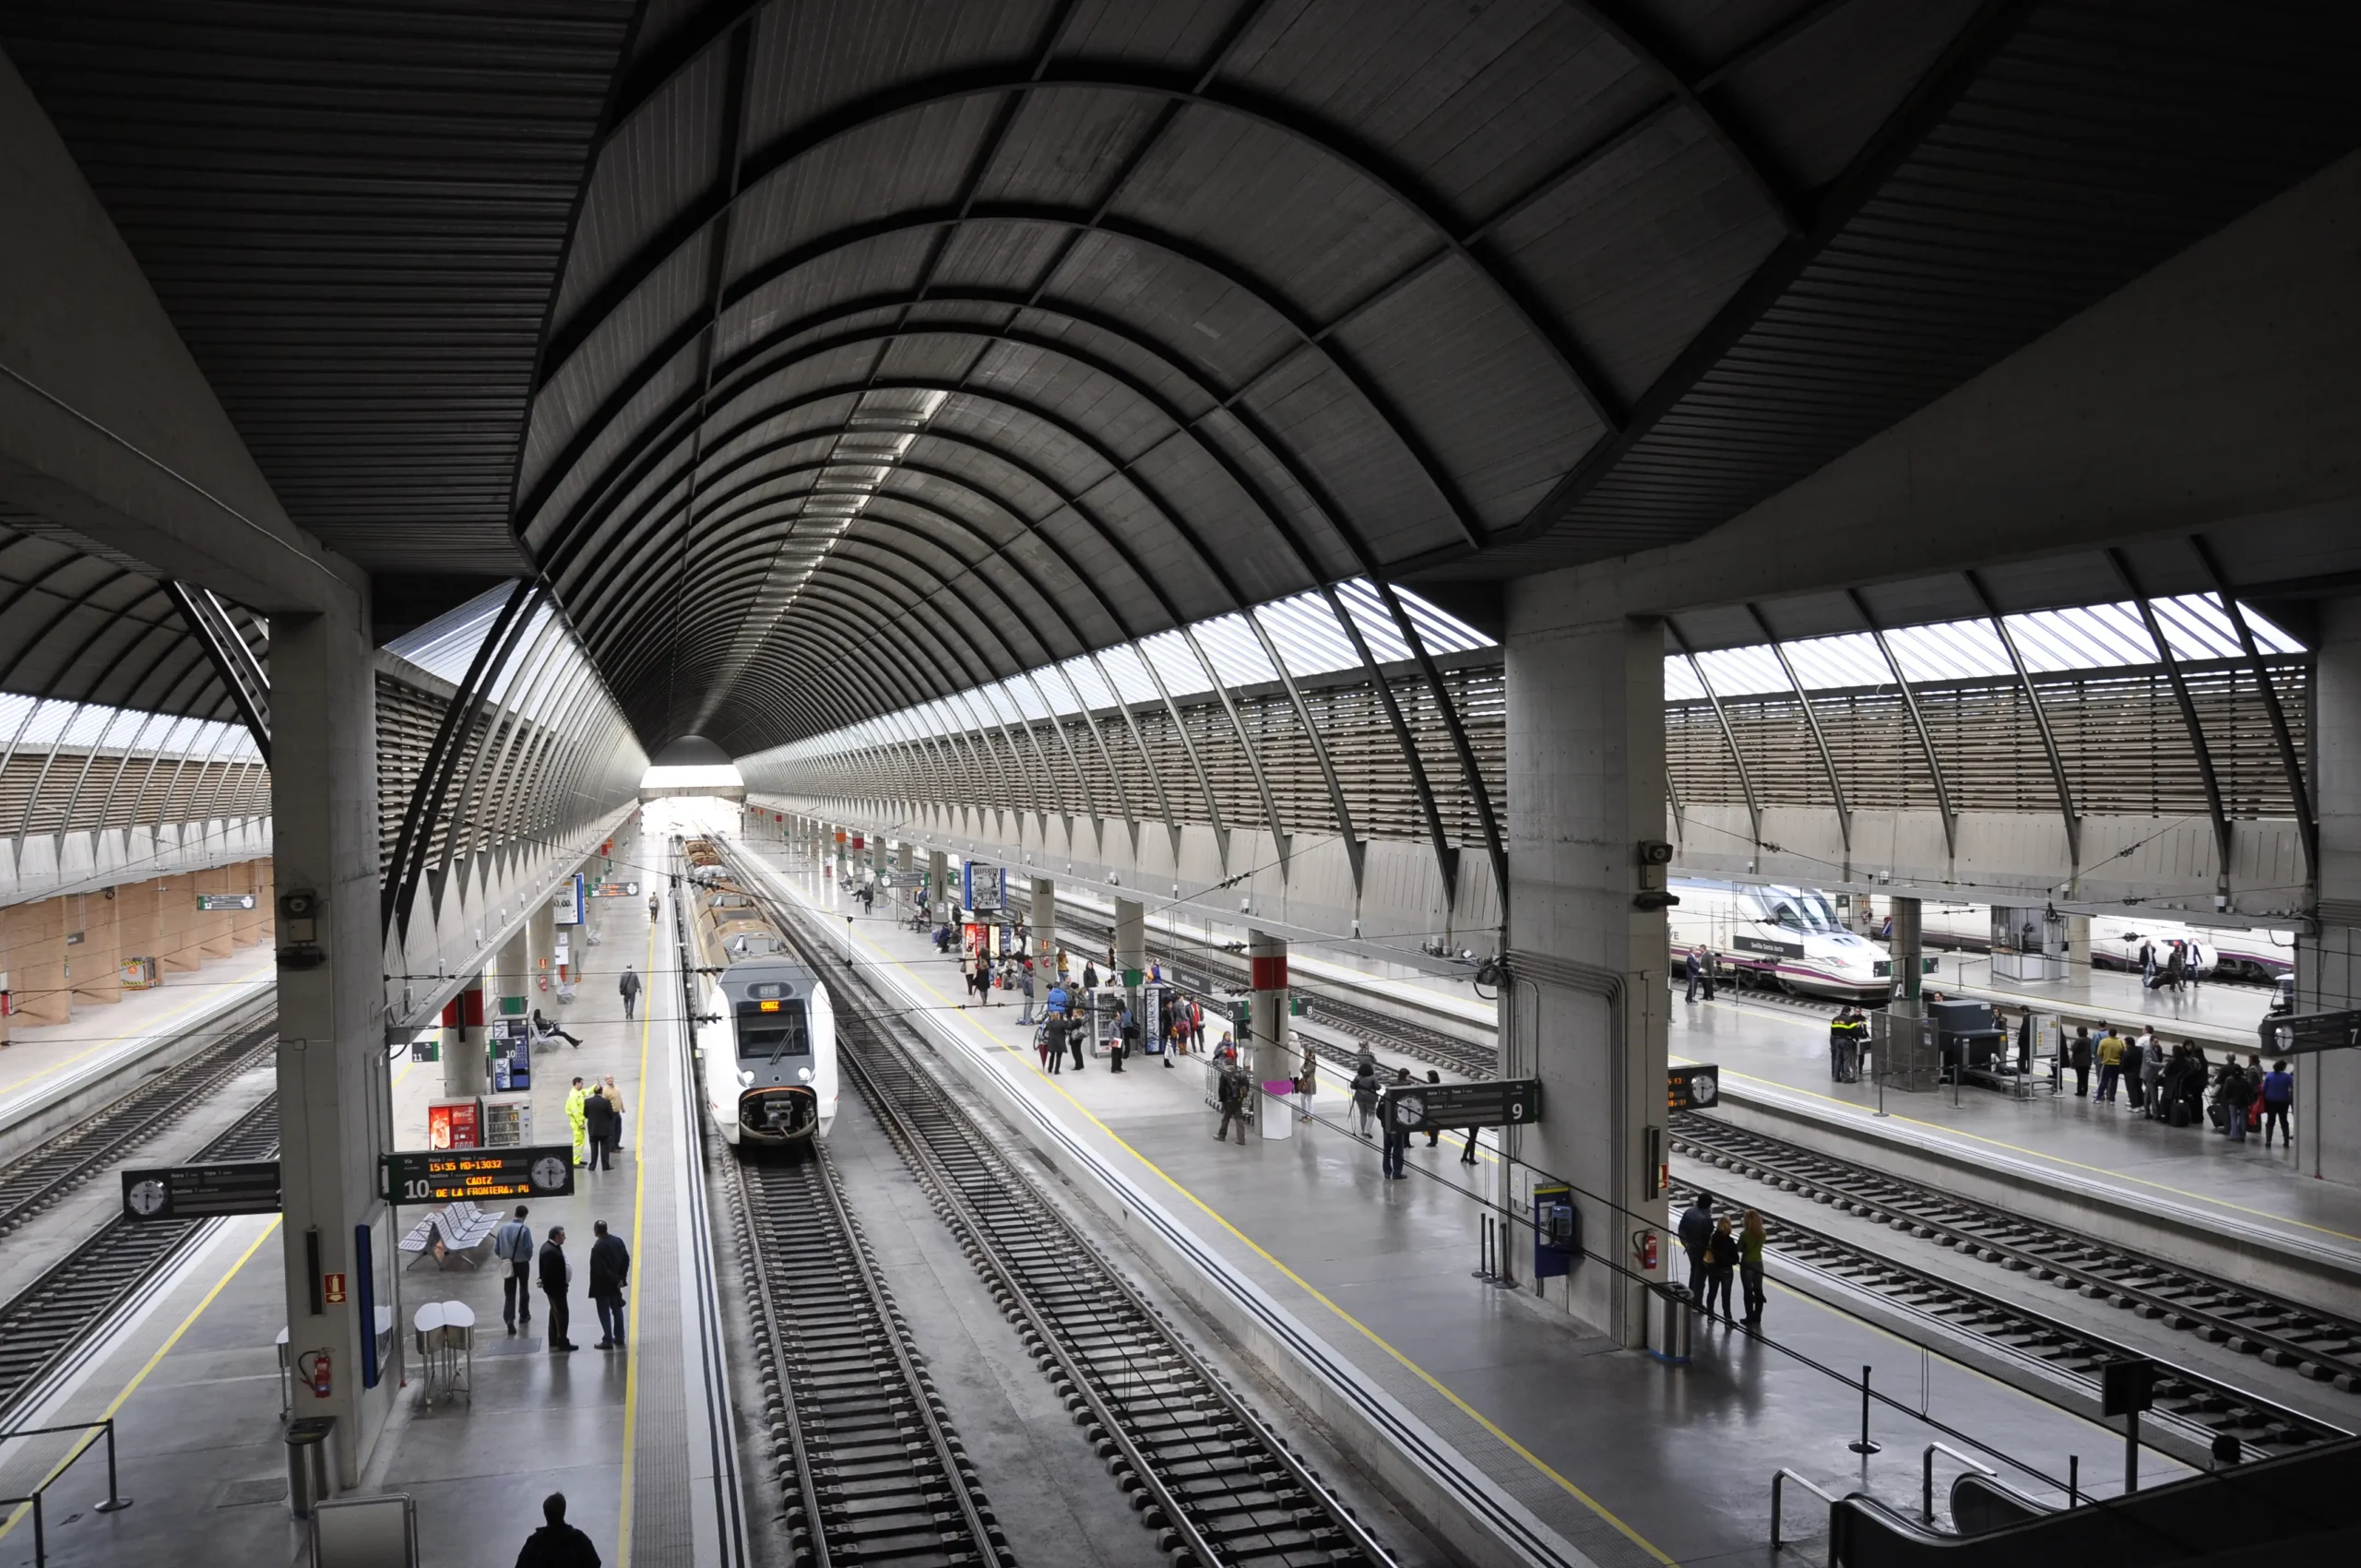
[[828, 358]]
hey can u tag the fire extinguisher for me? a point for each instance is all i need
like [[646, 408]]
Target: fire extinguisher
[[318, 1371], [1643, 1244]]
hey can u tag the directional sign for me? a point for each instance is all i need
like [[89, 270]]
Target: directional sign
[[2127, 1385], [215, 902], [441, 1176], [1498, 1103], [201, 1192], [1694, 1088]]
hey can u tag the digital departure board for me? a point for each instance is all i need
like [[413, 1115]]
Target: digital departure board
[[1692, 1089], [485, 1175]]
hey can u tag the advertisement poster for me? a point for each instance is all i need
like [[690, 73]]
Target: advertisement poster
[[566, 904], [981, 886], [453, 1123]]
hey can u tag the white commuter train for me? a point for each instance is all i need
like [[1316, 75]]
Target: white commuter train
[[770, 1049], [1789, 937], [2256, 954]]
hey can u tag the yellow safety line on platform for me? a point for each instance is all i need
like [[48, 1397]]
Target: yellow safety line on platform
[[132, 1387], [638, 1208], [1306, 1286], [1857, 1113], [206, 994]]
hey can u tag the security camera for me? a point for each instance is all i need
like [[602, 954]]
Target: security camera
[[1655, 852]]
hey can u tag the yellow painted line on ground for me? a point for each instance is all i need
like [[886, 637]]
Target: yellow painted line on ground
[[638, 1209], [206, 993], [155, 1360], [1306, 1286]]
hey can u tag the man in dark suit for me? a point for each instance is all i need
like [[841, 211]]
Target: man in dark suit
[[609, 1272], [556, 1276]]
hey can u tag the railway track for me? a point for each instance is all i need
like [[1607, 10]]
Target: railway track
[[2318, 1345], [2196, 1406], [46, 1322], [1219, 1487], [33, 1183], [872, 1470]]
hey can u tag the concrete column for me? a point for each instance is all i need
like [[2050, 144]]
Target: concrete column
[[2078, 947], [540, 948], [513, 973], [464, 1076], [1043, 923], [96, 967], [33, 938], [1904, 948], [332, 1085], [1266, 963], [2328, 968], [176, 934], [214, 927], [1585, 1010], [138, 913], [245, 926], [938, 882]]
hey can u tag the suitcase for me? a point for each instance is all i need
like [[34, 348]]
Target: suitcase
[[2218, 1114], [2178, 1116]]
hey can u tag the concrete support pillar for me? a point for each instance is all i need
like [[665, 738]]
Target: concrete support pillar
[[2078, 947], [513, 973], [246, 925], [540, 946], [1584, 1009], [176, 934], [214, 927], [33, 937], [334, 1099], [1043, 923], [1267, 963], [938, 882], [2328, 968], [464, 1073], [93, 964], [1906, 949]]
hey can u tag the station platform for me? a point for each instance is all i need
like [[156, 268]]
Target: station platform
[[2222, 1016], [2255, 1203], [1609, 1457], [193, 1378], [47, 1065]]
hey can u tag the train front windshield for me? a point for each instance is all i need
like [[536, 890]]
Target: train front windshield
[[770, 1031]]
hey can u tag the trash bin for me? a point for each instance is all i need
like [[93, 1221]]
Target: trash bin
[[307, 1463], [1672, 1319]]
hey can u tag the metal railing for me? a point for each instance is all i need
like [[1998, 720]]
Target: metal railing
[[1778, 1503], [1927, 1475], [115, 1501]]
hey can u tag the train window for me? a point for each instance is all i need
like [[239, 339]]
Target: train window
[[765, 1036], [1784, 914]]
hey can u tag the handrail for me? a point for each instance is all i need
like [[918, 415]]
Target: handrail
[[41, 1536], [1927, 1481], [1782, 1475]]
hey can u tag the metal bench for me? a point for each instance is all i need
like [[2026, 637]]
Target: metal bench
[[455, 1230]]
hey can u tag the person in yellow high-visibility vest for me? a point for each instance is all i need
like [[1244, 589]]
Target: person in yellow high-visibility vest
[[577, 1119]]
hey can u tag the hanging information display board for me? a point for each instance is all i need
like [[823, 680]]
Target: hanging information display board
[[431, 1176]]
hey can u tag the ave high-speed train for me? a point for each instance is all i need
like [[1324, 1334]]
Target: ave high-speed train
[[1787, 937], [2259, 954], [770, 1055]]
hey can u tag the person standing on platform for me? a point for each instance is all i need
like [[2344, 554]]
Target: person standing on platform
[[1434, 1135], [629, 987], [513, 1245], [1025, 994], [1078, 1039], [1694, 966], [575, 1119], [2110, 1064], [1229, 1093], [557, 1544], [1845, 1044], [557, 1278], [2234, 1094], [1365, 1093], [1059, 999], [2078, 1056], [614, 1098], [1054, 1043], [1089, 975], [2151, 1073], [610, 1273], [1696, 1236], [599, 1127], [2278, 1100], [1397, 1138], [1722, 1257], [654, 909], [1197, 1025], [1127, 1039], [1749, 1268], [2147, 963]]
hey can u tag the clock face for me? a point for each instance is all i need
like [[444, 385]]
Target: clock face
[[148, 1198], [1409, 1110], [548, 1172], [1701, 1090]]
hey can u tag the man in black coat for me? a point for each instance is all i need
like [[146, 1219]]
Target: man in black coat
[[609, 1272], [628, 988], [557, 1544], [1696, 1235], [556, 1276], [604, 1127]]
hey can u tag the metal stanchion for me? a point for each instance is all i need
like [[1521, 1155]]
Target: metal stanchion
[[1866, 1448]]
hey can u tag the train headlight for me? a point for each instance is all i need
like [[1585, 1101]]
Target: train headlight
[[803, 1074], [745, 1078]]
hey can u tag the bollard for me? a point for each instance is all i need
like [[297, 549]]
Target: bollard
[[115, 1501], [1865, 1447]]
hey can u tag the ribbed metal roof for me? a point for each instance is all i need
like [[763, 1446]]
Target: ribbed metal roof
[[355, 215]]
